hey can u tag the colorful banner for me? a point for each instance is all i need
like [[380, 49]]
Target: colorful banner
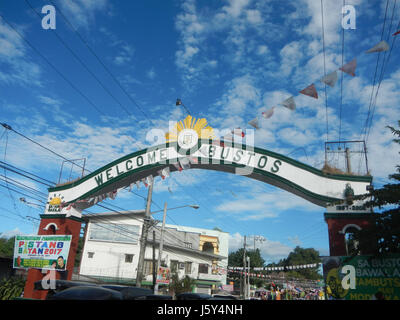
[[163, 275], [42, 252], [362, 277]]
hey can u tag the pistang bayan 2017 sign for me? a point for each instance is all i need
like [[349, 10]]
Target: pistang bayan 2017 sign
[[42, 252]]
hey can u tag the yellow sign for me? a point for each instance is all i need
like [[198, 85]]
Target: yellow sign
[[189, 130]]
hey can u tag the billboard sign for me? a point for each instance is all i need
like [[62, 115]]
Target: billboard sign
[[41, 251], [362, 277]]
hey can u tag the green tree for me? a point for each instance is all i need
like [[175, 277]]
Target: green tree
[[178, 286], [7, 247], [300, 256], [235, 259], [383, 235]]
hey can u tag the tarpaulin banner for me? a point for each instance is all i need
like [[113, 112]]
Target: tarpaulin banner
[[43, 252], [163, 275], [362, 277]]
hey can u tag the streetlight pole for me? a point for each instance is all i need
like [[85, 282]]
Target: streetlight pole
[[248, 277], [161, 244], [162, 236]]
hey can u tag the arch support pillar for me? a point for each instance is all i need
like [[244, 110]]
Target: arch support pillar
[[339, 224], [54, 224]]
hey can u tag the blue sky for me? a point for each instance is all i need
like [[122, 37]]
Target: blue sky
[[228, 61]]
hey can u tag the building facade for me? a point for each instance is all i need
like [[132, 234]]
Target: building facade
[[112, 246]]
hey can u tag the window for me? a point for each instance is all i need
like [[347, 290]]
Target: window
[[188, 267], [188, 245], [90, 255], [128, 258], [203, 268], [174, 266], [114, 232]]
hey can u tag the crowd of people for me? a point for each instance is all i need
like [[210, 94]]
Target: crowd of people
[[288, 294]]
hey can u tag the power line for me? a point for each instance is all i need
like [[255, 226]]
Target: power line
[[383, 69], [341, 84], [82, 63], [323, 46], [376, 70], [98, 59], [53, 67]]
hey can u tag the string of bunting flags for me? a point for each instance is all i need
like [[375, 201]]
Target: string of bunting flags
[[329, 79], [296, 267]]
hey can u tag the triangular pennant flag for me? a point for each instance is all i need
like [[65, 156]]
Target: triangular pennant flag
[[159, 172], [165, 172], [330, 79], [193, 160], [239, 132], [310, 91], [254, 123], [177, 166], [396, 33], [185, 163], [350, 68], [268, 114], [381, 46], [149, 180], [289, 103], [228, 137]]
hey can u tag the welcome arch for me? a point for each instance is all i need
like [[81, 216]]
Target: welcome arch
[[192, 145], [312, 184]]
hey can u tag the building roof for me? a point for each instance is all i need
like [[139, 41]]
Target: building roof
[[114, 214]]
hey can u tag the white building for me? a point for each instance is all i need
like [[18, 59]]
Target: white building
[[112, 245]]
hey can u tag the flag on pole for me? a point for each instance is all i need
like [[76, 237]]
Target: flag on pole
[[350, 68], [268, 114], [330, 79], [254, 123], [381, 46], [289, 103], [310, 91]]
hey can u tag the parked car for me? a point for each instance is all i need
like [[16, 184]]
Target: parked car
[[193, 296], [223, 297], [128, 292], [156, 297], [87, 293]]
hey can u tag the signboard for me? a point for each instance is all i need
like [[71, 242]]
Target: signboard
[[163, 275], [286, 173], [42, 252], [362, 277], [227, 287]]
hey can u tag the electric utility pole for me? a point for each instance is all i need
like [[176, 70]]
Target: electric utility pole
[[143, 238], [243, 280]]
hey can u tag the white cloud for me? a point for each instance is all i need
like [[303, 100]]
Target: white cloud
[[82, 12], [10, 233], [17, 68]]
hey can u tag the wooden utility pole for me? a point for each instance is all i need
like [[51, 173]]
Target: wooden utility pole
[[154, 259], [143, 238], [243, 281]]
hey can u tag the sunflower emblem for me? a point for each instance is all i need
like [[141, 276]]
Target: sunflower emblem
[[188, 131], [55, 203]]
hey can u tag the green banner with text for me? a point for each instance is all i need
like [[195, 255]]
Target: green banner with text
[[362, 277]]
